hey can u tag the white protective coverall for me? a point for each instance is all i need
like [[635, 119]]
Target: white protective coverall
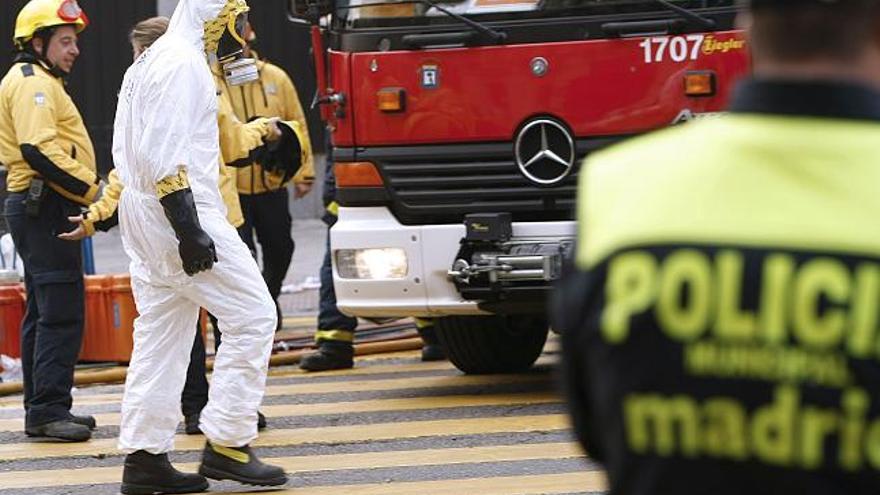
[[167, 119]]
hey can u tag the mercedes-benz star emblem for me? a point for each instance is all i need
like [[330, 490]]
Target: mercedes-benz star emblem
[[544, 151]]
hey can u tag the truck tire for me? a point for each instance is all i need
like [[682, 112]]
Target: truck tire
[[492, 344]]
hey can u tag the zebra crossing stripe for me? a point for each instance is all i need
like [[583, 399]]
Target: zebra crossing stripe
[[429, 382], [373, 405], [316, 435], [313, 463], [543, 484]]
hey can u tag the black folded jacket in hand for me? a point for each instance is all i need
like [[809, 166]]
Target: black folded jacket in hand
[[283, 155]]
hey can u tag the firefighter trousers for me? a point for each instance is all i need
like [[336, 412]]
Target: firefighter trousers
[[52, 329]]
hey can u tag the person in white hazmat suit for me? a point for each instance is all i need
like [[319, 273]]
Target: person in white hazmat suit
[[185, 255]]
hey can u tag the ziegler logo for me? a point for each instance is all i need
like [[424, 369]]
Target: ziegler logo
[[712, 45]]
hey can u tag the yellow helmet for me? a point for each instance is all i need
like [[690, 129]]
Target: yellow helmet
[[41, 14]]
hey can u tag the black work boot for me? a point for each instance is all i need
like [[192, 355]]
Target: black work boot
[[191, 423], [331, 355], [239, 464], [64, 430], [86, 420], [149, 474], [431, 348]]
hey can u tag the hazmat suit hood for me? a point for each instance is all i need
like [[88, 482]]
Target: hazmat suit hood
[[204, 22]]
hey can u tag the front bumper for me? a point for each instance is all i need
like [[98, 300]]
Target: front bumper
[[426, 290]]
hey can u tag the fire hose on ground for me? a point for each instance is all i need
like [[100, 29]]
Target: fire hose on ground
[[382, 339]]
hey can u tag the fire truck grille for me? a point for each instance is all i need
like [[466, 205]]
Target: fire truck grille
[[439, 188]]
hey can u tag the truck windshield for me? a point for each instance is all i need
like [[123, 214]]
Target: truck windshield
[[374, 13]]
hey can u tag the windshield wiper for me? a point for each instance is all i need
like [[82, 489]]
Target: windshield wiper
[[687, 14], [495, 35]]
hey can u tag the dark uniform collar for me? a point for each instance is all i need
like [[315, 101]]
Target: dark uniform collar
[[27, 57], [823, 99]]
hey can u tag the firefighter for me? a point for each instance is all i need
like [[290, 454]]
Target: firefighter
[[51, 175], [262, 184], [720, 329], [185, 254], [335, 335]]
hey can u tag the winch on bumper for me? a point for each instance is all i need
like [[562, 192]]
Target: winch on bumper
[[423, 254], [504, 274]]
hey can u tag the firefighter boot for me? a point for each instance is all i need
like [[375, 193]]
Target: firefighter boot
[[85, 420], [146, 474], [331, 355], [239, 464], [64, 431], [432, 350]]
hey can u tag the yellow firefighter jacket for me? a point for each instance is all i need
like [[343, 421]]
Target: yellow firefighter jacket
[[42, 134], [274, 95]]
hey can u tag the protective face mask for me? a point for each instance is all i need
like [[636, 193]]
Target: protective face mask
[[240, 71], [237, 69]]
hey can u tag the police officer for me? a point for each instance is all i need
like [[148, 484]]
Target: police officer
[[720, 331], [262, 186], [51, 164]]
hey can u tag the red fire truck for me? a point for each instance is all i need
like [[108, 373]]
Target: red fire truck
[[458, 130]]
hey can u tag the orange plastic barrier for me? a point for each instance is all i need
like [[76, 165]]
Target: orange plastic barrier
[[12, 307], [97, 318], [110, 314]]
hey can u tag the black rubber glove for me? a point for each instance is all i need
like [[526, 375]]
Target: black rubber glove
[[195, 246]]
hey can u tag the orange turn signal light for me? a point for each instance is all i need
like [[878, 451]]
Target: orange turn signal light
[[700, 83], [357, 174], [391, 99]]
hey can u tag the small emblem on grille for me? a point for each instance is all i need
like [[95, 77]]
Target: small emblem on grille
[[544, 151]]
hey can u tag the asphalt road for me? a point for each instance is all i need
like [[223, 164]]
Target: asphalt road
[[392, 425]]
